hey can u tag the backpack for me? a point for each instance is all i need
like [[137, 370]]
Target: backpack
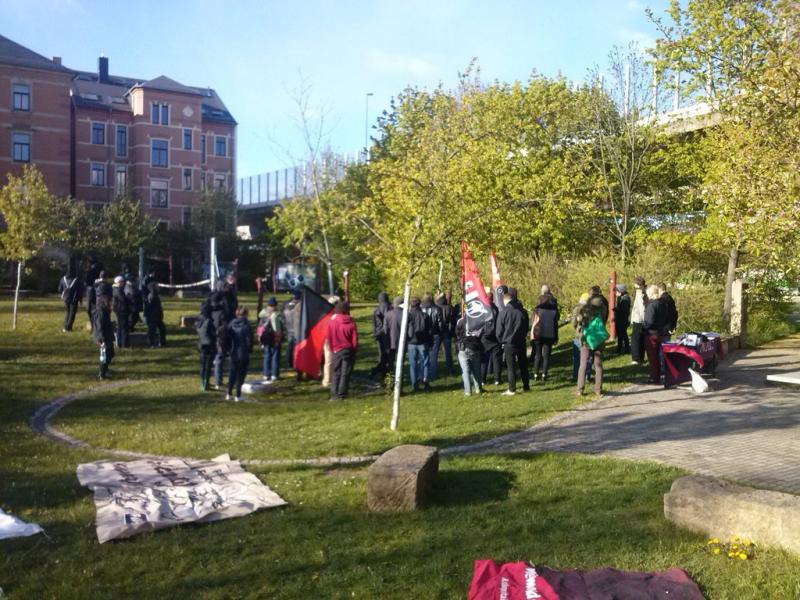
[[595, 333], [68, 288]]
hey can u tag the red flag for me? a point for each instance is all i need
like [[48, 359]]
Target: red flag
[[497, 290], [478, 308], [315, 314]]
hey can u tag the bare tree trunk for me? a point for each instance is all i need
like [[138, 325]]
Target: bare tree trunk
[[733, 263], [331, 291], [16, 294], [398, 369]]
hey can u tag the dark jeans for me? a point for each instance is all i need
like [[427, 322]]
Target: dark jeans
[[342, 368], [576, 360], [290, 343], [69, 315], [237, 374], [623, 341], [107, 363], [382, 366], [492, 361], [90, 312], [156, 332], [206, 360], [588, 354], [444, 341], [637, 342], [430, 367], [272, 361], [653, 345], [541, 355], [417, 357], [122, 329], [219, 367], [516, 356]]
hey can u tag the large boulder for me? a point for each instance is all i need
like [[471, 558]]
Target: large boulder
[[724, 510], [399, 479]]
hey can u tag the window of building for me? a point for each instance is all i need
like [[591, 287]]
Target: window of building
[[159, 153], [121, 181], [98, 174], [154, 113], [220, 146], [203, 148], [187, 139], [122, 140], [186, 216], [187, 179], [159, 194], [21, 147], [165, 114], [99, 133], [220, 182], [21, 96]]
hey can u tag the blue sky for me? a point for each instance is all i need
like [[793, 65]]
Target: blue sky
[[254, 53]]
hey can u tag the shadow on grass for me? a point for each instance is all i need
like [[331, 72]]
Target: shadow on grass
[[463, 487]]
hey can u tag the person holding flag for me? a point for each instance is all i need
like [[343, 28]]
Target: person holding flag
[[315, 315]]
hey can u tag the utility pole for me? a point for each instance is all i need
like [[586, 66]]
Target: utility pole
[[366, 125]]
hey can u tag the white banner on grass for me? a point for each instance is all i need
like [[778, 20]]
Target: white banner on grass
[[144, 495]]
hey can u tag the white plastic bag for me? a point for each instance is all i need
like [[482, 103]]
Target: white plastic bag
[[11, 527], [699, 384]]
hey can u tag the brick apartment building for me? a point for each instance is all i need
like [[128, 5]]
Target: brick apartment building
[[97, 136]]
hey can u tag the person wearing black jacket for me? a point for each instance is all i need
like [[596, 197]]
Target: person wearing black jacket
[[216, 302], [419, 342], [154, 316], [469, 348], [206, 344], [380, 335], [655, 326], [71, 290], [241, 340], [622, 318], [103, 333], [391, 329], [512, 331], [122, 310], [430, 367], [492, 355], [92, 274], [670, 311], [448, 332], [544, 333]]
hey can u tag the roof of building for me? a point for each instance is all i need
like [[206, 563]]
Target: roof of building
[[11, 53], [169, 85]]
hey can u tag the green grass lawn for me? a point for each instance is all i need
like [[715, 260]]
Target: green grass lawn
[[556, 510]]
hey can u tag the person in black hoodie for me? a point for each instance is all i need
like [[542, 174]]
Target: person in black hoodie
[[622, 318], [154, 315], [380, 335], [206, 343], [512, 329], [419, 342], [103, 332], [391, 328], [241, 340], [656, 325], [544, 333], [71, 290], [448, 331], [430, 366], [492, 355], [122, 310], [92, 275], [216, 301]]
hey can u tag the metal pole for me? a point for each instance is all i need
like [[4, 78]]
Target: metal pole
[[366, 125], [212, 268], [398, 369]]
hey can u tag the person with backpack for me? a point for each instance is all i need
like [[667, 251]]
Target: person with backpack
[[468, 345], [590, 324], [492, 354], [103, 332], [71, 291], [380, 335], [656, 325], [154, 315], [343, 341], [448, 331], [512, 329], [122, 310], [206, 344], [270, 333], [419, 342], [544, 333], [622, 317], [241, 344], [430, 366]]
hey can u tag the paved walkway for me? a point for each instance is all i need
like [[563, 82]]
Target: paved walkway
[[744, 429]]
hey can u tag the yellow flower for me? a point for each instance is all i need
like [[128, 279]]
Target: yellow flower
[[746, 542], [731, 554], [743, 556], [713, 541], [716, 550]]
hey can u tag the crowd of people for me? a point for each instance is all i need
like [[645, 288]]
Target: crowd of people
[[129, 300]]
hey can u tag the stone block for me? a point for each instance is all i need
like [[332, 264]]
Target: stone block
[[254, 386], [400, 478], [188, 322], [721, 509]]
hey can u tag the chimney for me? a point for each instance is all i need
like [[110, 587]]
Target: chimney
[[57, 60], [102, 69]]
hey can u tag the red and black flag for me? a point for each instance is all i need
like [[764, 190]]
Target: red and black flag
[[315, 314], [478, 309]]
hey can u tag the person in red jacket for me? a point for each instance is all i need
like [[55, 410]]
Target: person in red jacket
[[343, 341]]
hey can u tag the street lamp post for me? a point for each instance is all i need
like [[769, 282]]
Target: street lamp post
[[366, 125]]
